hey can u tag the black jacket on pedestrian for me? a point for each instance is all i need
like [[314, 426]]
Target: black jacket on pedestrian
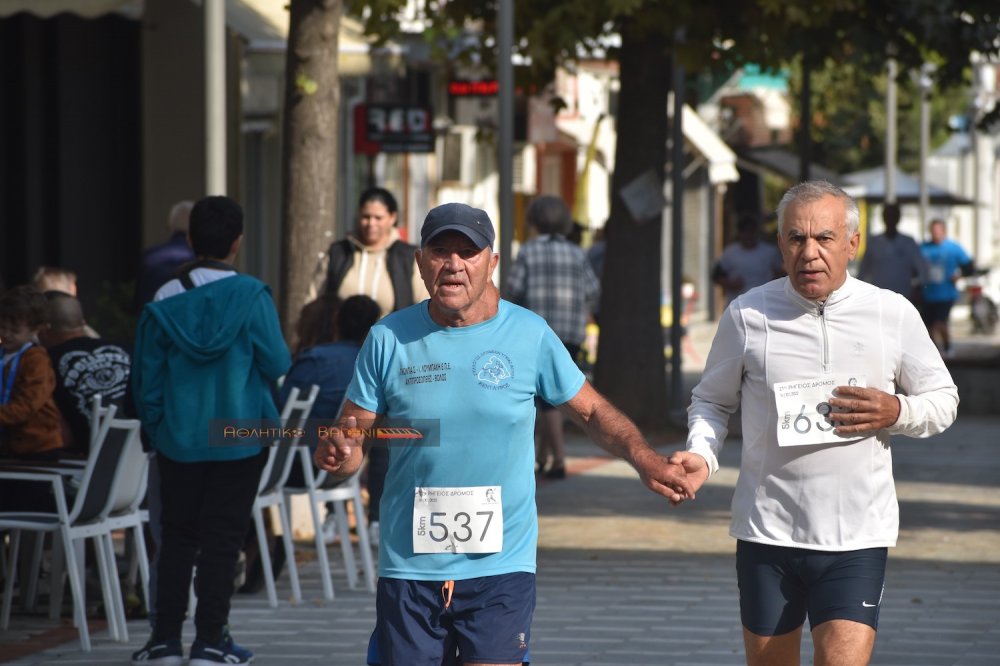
[[399, 261]]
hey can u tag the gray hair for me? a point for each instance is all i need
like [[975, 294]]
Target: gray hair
[[814, 190], [549, 215], [180, 216]]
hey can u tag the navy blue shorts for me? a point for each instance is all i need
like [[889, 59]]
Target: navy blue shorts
[[936, 311], [780, 586], [488, 620]]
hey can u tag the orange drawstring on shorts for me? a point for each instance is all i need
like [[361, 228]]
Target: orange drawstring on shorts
[[447, 589]]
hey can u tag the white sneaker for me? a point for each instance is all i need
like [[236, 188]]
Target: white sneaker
[[330, 534], [374, 531]]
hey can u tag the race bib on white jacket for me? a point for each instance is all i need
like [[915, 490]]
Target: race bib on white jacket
[[804, 410]]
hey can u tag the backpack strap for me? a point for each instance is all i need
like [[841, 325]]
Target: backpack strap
[[184, 272]]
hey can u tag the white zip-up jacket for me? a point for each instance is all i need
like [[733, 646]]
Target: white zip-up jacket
[[835, 496]]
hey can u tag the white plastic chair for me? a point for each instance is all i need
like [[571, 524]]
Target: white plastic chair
[[321, 488], [116, 445], [99, 412], [271, 493], [127, 512], [67, 467]]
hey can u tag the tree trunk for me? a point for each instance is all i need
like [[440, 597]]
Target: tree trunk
[[312, 104], [630, 367]]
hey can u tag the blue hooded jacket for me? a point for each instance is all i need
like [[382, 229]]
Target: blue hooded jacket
[[210, 354]]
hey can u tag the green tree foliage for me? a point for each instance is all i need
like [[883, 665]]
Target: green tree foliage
[[849, 117]]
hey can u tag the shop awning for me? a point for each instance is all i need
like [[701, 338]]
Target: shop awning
[[703, 140], [870, 185]]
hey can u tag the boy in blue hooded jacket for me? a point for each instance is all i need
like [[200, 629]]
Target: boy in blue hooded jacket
[[207, 351]]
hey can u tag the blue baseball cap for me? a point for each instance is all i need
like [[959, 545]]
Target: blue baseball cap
[[474, 223]]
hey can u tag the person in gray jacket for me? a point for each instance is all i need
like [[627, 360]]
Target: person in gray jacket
[[825, 368]]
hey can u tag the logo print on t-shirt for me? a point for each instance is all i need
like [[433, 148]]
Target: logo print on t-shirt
[[103, 370], [493, 369]]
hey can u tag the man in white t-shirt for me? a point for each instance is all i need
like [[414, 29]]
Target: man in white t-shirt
[[748, 262], [893, 260]]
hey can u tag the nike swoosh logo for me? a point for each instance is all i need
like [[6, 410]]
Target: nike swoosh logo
[[868, 605]]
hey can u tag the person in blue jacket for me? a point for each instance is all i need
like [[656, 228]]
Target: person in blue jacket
[[207, 352], [330, 364]]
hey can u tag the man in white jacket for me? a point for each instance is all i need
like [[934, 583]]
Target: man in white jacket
[[825, 368]]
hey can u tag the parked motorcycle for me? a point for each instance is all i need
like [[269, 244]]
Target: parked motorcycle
[[982, 293]]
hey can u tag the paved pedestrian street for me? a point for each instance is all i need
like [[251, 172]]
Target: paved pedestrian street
[[624, 579]]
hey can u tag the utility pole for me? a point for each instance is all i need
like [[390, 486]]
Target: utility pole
[[890, 128], [926, 84], [505, 149], [677, 231], [805, 131], [214, 12]]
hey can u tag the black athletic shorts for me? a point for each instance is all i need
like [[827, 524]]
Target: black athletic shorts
[[485, 620], [935, 311], [780, 587]]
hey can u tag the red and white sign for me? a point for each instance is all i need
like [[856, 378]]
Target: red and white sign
[[381, 128]]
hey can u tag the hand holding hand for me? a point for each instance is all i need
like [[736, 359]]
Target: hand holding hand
[[664, 477], [694, 466]]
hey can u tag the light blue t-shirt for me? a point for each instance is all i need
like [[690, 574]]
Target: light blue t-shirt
[[943, 261], [470, 390]]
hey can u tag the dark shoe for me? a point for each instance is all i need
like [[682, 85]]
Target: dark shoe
[[556, 472], [224, 652], [159, 653]]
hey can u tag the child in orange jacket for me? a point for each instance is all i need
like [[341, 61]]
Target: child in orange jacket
[[29, 418]]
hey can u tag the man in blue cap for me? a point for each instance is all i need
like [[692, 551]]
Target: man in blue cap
[[459, 524]]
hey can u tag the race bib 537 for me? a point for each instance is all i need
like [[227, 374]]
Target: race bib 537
[[457, 520]]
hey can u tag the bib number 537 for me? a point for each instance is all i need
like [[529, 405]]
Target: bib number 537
[[457, 520], [459, 526]]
